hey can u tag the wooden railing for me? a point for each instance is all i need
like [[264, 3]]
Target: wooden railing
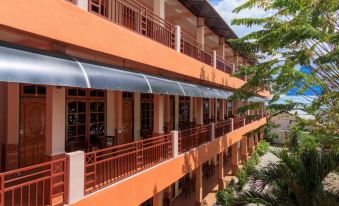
[[194, 49], [41, 184], [222, 128], [224, 65], [238, 122], [134, 16], [193, 137], [106, 166]]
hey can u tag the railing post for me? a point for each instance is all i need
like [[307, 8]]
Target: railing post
[[83, 4], [233, 68], [212, 131], [214, 59], [177, 38], [76, 176], [231, 124], [175, 143], [244, 121]]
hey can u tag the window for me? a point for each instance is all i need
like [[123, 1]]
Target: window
[[146, 114], [85, 118], [184, 112], [99, 6], [205, 111], [29, 90]]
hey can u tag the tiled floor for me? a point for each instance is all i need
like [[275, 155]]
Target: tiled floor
[[210, 188]]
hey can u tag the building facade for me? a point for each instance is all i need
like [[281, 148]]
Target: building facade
[[118, 102]]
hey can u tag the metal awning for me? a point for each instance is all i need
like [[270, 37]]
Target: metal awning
[[31, 66], [22, 65]]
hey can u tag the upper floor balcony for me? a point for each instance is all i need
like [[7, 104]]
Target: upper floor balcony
[[173, 25]]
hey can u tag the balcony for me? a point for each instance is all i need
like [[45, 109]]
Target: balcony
[[134, 16]]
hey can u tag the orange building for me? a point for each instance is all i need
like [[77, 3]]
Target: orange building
[[118, 102]]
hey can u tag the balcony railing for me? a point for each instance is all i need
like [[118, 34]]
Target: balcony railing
[[41, 184], [238, 122], [222, 128], [193, 137], [136, 17], [106, 166], [224, 65]]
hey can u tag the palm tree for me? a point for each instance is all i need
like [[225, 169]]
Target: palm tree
[[293, 180]]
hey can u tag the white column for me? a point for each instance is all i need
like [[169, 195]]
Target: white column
[[110, 127], [159, 8], [177, 38], [76, 175], [136, 116], [55, 120], [83, 4], [214, 59], [175, 143], [158, 114], [176, 111]]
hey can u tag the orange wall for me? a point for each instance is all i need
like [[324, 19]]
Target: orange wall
[[142, 186], [64, 22]]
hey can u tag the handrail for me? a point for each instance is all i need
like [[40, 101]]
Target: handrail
[[104, 167], [41, 184], [224, 65]]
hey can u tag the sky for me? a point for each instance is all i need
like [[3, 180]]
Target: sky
[[225, 8]]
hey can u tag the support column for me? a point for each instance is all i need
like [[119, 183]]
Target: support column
[[243, 147], [83, 4], [176, 111], [201, 30], [210, 108], [235, 158], [118, 117], [158, 125], [198, 111], [137, 116], [222, 109], [177, 38], [198, 185], [221, 49], [157, 199], [10, 129], [221, 171], [76, 176], [159, 8], [216, 110], [255, 139], [110, 107], [55, 120], [191, 109], [251, 145]]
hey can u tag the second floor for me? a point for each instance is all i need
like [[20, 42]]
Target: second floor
[[180, 39]]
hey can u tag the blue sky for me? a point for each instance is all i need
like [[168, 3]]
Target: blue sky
[[225, 8]]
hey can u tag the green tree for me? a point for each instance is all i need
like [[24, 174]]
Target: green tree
[[293, 180], [294, 33]]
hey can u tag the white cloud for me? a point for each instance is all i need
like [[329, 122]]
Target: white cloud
[[225, 8]]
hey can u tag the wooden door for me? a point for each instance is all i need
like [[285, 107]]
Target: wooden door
[[127, 120], [32, 131]]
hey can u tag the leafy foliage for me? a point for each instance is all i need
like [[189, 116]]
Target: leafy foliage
[[294, 33], [262, 147], [293, 180]]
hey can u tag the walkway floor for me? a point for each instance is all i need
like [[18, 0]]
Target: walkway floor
[[210, 188]]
